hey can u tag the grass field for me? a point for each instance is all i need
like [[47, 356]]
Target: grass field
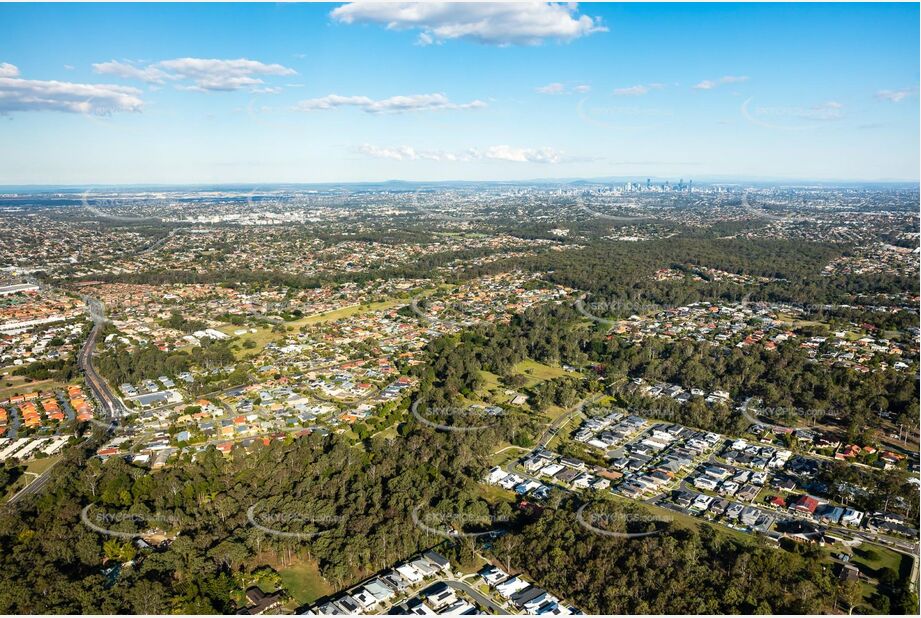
[[303, 581], [39, 466], [553, 412], [493, 391], [685, 520], [348, 311], [35, 468], [261, 338], [264, 336], [494, 494], [509, 452], [18, 385], [388, 432], [538, 372], [872, 559]]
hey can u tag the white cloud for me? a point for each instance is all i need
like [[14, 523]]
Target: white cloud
[[406, 153], [709, 84], [638, 90], [558, 88], [554, 88], [492, 153], [24, 95], [894, 95], [400, 153], [125, 70], [397, 104], [512, 23], [213, 74], [8, 70], [522, 155], [205, 74]]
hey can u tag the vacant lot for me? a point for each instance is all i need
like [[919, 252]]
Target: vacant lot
[[872, 559], [303, 581], [493, 391], [539, 372]]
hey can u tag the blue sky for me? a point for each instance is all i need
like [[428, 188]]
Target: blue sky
[[93, 94]]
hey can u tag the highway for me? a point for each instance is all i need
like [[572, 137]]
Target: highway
[[110, 406]]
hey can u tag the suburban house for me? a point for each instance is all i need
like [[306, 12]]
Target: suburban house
[[260, 602], [805, 504]]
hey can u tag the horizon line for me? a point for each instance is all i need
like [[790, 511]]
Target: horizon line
[[560, 180]]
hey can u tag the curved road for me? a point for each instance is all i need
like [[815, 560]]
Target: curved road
[[563, 419], [477, 596]]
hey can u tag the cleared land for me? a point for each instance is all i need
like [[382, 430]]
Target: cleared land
[[303, 581], [265, 335], [18, 386]]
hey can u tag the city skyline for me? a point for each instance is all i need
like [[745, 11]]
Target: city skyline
[[204, 94]]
